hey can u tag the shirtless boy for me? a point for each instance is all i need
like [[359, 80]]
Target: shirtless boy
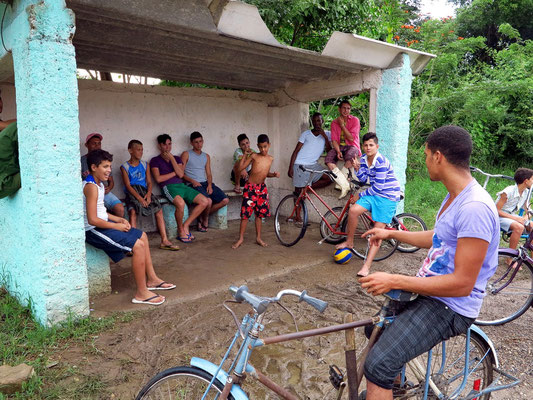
[[255, 193]]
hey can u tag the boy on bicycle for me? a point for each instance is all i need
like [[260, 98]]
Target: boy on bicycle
[[510, 200], [452, 280], [381, 198]]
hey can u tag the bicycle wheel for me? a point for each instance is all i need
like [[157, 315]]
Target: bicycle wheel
[[447, 368], [506, 297], [325, 232], [360, 244], [290, 221], [180, 383], [411, 223]]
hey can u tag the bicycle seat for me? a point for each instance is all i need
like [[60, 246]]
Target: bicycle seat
[[400, 295]]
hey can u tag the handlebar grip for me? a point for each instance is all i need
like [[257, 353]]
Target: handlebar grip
[[242, 294], [320, 305], [508, 177], [302, 167]]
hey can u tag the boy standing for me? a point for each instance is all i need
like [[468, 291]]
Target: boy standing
[[138, 188], [114, 235], [510, 200], [345, 142], [112, 202], [255, 194], [381, 198], [198, 174], [168, 172], [240, 178]]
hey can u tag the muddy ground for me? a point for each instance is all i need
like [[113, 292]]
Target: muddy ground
[[193, 322]]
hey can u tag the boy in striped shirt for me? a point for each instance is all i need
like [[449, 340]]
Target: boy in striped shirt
[[381, 198]]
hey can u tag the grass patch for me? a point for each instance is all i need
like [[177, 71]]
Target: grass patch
[[22, 339]]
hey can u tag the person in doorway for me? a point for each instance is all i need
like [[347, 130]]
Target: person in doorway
[[138, 188], [239, 179], [112, 202], [115, 236], [168, 171], [381, 198], [199, 177], [345, 145], [451, 282], [255, 195]]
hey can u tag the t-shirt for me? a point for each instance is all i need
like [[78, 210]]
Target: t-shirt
[[165, 168], [137, 174], [101, 211], [237, 155], [472, 214], [380, 176], [515, 201], [313, 147], [353, 127], [195, 167]]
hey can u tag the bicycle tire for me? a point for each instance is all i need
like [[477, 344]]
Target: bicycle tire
[[446, 370], [180, 383], [325, 232], [360, 245], [506, 305], [413, 223], [288, 230]]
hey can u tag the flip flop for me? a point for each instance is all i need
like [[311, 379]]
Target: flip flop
[[185, 239], [147, 301], [362, 275], [160, 286], [172, 247], [238, 191], [201, 228], [190, 236]]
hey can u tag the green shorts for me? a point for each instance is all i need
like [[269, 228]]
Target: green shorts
[[187, 193]]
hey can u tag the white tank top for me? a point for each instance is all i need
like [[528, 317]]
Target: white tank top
[[101, 211]]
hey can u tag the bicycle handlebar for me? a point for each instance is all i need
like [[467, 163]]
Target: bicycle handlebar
[[324, 171], [475, 169]]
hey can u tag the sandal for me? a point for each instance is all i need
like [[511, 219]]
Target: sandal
[[201, 227], [185, 239]]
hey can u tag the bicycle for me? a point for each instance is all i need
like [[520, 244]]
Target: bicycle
[[462, 367], [291, 220]]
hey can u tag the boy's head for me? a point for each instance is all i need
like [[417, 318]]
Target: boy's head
[[135, 148], [164, 142], [370, 143], [244, 142], [523, 174], [263, 144], [197, 141], [99, 162], [317, 120], [93, 141], [345, 108], [453, 143]]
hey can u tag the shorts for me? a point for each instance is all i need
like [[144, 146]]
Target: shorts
[[300, 178], [255, 198], [242, 181], [115, 243], [505, 224], [348, 153], [217, 196], [110, 201], [187, 193], [382, 209], [424, 323], [133, 204]]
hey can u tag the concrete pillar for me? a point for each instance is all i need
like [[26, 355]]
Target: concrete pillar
[[42, 249], [393, 99]]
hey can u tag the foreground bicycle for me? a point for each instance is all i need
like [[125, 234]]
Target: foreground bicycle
[[462, 367], [291, 219]]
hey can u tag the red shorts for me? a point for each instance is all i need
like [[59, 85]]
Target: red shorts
[[255, 198]]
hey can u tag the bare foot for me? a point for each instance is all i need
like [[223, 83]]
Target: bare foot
[[344, 245], [364, 271], [237, 244], [261, 243]]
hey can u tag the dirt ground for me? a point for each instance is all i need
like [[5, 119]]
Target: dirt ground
[[193, 322]]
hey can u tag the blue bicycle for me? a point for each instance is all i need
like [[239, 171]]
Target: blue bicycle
[[462, 367]]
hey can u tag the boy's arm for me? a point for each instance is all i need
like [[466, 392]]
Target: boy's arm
[[179, 169], [5, 124], [149, 185], [110, 184], [273, 174], [209, 175], [297, 149], [247, 158], [499, 205], [327, 144], [347, 134], [185, 160], [129, 188], [422, 239], [91, 198]]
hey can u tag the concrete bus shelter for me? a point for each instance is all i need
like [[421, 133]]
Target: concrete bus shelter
[[43, 256]]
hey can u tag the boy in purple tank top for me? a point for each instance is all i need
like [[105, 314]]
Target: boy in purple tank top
[[463, 255]]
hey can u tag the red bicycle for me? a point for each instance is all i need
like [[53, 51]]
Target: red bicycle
[[291, 221]]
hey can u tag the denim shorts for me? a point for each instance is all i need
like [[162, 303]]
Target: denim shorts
[[300, 178], [217, 195], [110, 201], [382, 209]]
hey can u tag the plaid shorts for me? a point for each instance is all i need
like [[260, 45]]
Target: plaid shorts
[[424, 323]]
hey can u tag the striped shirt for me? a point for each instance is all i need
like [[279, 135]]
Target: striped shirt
[[380, 176]]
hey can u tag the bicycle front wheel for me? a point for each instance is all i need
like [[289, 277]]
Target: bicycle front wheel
[[509, 292], [332, 219], [181, 383], [410, 223], [447, 369], [360, 244], [290, 220]]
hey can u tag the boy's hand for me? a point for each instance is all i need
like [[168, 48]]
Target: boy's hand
[[244, 174], [377, 283], [276, 174], [356, 164], [376, 235], [195, 183], [209, 189], [340, 121], [148, 198], [144, 203], [339, 155], [123, 225], [248, 152], [166, 156], [290, 172]]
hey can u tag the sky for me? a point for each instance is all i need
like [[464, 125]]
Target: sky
[[437, 8]]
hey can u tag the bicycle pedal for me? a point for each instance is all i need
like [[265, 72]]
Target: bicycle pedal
[[336, 377]]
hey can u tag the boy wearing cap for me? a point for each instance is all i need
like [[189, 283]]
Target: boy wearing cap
[[111, 202]]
